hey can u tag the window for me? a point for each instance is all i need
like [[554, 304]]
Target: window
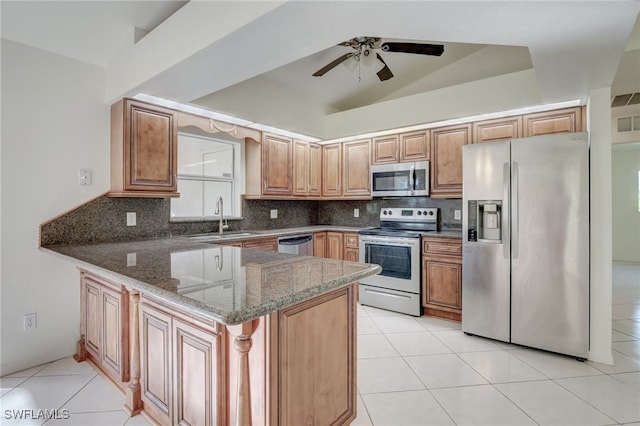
[[208, 168]]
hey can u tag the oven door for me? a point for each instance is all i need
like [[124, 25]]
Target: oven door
[[399, 258]]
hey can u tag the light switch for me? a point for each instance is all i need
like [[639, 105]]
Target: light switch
[[456, 214], [132, 259], [274, 213], [356, 212]]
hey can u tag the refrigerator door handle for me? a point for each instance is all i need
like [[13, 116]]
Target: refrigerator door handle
[[506, 239], [514, 209]]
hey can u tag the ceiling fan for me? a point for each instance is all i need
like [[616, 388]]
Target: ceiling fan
[[365, 52]]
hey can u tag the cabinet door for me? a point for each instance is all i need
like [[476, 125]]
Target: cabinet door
[[332, 170], [567, 120], [414, 146], [316, 361], [150, 148], [356, 169], [498, 129], [446, 160], [156, 361], [351, 254], [198, 376], [384, 150], [320, 244], [277, 163], [443, 279], [93, 318], [315, 170], [115, 333], [334, 245], [300, 167]]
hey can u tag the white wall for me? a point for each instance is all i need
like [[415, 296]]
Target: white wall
[[54, 122], [599, 126], [625, 160]]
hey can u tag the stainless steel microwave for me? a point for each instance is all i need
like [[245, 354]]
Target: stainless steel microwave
[[400, 179]]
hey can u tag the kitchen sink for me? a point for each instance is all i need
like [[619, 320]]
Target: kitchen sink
[[213, 237]]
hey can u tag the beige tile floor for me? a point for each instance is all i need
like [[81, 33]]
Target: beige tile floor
[[414, 371]]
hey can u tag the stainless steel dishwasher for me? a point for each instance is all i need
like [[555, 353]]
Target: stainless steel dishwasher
[[302, 245]]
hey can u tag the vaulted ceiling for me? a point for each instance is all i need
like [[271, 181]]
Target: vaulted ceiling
[[255, 60]]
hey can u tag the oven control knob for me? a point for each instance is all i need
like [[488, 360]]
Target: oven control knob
[[419, 212], [430, 212], [384, 212], [390, 212]]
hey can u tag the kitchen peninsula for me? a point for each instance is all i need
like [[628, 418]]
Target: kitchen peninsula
[[201, 334]]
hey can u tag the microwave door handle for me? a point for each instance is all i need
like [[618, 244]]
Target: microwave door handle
[[412, 178]]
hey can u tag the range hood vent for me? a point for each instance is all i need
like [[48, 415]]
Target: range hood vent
[[624, 100]]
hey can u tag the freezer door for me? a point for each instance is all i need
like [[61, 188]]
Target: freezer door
[[550, 243], [486, 265]]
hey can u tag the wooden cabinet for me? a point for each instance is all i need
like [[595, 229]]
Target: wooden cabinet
[[506, 128], [332, 170], [356, 169], [105, 326], [566, 120], [346, 170], [266, 244], [442, 277], [384, 150], [317, 361], [334, 248], [307, 169], [446, 160], [315, 170], [414, 146], [183, 375], [351, 246], [277, 164], [404, 147], [144, 147], [320, 244]]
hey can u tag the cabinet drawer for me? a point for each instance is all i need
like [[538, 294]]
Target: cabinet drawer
[[452, 247], [351, 241]]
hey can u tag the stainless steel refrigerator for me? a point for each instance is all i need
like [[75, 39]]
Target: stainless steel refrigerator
[[525, 256]]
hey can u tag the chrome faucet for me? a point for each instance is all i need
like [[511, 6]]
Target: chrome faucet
[[219, 210]]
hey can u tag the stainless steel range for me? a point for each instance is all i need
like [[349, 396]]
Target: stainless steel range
[[395, 246]]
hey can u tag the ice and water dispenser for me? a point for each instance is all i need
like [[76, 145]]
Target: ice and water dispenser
[[485, 222]]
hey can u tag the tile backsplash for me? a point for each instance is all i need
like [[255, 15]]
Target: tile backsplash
[[104, 219]]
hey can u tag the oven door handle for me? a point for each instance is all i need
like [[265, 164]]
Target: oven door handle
[[386, 241]]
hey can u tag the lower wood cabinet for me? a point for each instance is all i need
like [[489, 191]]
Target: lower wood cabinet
[[266, 244], [351, 247], [104, 327], [319, 244], [182, 376], [442, 277], [335, 243]]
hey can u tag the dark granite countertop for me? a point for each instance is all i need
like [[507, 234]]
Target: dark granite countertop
[[228, 284]]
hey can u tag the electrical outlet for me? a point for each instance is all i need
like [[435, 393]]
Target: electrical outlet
[[131, 218], [84, 177], [456, 214], [30, 321], [132, 259], [274, 213], [356, 212]]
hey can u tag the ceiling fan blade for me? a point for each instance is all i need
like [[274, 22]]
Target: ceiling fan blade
[[420, 49], [322, 71], [385, 73]]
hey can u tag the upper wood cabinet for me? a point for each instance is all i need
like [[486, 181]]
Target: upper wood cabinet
[[566, 120], [332, 170], [307, 169], [405, 147], [356, 169], [384, 150], [144, 158], [277, 165], [414, 146], [446, 160], [496, 130]]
